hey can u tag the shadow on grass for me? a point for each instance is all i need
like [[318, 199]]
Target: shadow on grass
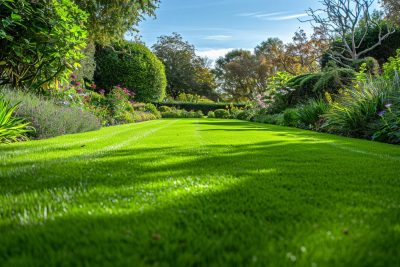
[[214, 205]]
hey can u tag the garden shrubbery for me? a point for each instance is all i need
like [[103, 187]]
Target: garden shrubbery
[[180, 113], [49, 119], [204, 107], [134, 66]]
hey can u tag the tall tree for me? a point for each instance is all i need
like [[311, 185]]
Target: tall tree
[[300, 56], [109, 20], [242, 75], [393, 9], [186, 72], [345, 20]]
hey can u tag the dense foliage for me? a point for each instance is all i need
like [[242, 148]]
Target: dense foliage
[[204, 107], [133, 66], [39, 40], [109, 20], [316, 85], [50, 119], [186, 72]]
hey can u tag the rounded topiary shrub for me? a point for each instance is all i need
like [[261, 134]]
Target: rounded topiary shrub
[[133, 66]]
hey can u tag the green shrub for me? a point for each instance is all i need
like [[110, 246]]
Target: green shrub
[[310, 114], [119, 103], [222, 114], [140, 116], [391, 69], [177, 113], [12, 129], [246, 115], [276, 119], [356, 109], [371, 64], [211, 114], [291, 117], [199, 114], [50, 119], [165, 109], [153, 110], [204, 107], [39, 40], [315, 85], [134, 67], [387, 128]]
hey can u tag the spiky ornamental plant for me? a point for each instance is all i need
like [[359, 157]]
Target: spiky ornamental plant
[[11, 128]]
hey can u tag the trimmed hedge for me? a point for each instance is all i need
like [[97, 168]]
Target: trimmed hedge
[[135, 67], [204, 107]]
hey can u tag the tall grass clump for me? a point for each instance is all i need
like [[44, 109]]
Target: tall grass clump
[[310, 114], [12, 128], [357, 109], [48, 118]]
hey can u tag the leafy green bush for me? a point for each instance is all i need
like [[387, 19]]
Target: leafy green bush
[[291, 117], [50, 119], [134, 67], [222, 114], [139, 116], [246, 115], [276, 119], [310, 114], [153, 110], [164, 109], [204, 107], [119, 103], [391, 69], [177, 113], [39, 40], [211, 114], [371, 64], [12, 129], [315, 85], [387, 128], [355, 110]]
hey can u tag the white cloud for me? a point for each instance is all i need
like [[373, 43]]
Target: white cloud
[[217, 37], [250, 14], [214, 54], [276, 16], [289, 17]]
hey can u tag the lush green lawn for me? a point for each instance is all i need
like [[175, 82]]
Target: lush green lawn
[[199, 193]]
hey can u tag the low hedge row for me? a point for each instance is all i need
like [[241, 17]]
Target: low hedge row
[[204, 107]]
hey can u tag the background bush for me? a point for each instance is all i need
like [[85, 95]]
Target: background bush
[[222, 114], [134, 67], [276, 119], [204, 107], [371, 64], [315, 85], [310, 114], [356, 110], [50, 119], [178, 113], [291, 117]]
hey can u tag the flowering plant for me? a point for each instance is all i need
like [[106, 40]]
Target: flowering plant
[[275, 98]]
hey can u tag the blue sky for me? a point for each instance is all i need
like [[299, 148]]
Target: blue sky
[[216, 26]]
